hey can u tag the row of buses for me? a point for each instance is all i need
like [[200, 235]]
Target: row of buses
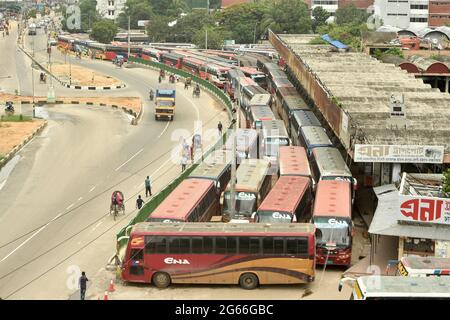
[[306, 214]]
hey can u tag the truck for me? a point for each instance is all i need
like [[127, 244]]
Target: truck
[[165, 104]]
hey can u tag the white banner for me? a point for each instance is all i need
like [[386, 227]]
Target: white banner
[[398, 153], [424, 209]]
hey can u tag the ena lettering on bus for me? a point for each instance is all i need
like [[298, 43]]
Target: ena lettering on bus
[[334, 221], [170, 260], [246, 196], [279, 215]]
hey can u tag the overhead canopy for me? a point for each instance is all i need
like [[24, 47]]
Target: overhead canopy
[[385, 221]]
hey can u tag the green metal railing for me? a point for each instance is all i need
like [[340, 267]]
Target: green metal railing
[[149, 207]]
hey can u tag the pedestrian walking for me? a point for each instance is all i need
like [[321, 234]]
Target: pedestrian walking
[[219, 127], [183, 163], [82, 283], [139, 202], [148, 187]]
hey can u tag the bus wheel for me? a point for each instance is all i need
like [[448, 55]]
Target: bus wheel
[[248, 281], [161, 280]]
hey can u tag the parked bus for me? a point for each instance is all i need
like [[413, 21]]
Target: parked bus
[[247, 94], [289, 104], [300, 119], [242, 83], [401, 288], [172, 59], [332, 216], [293, 161], [313, 137], [216, 167], [194, 200], [327, 164], [220, 253], [252, 185], [258, 114], [233, 82], [246, 144], [413, 266], [273, 135], [288, 201], [257, 76]]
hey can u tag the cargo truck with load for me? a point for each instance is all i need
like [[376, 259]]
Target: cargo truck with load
[[165, 104]]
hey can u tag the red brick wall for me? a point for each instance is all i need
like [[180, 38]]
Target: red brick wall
[[439, 6], [438, 20], [361, 4]]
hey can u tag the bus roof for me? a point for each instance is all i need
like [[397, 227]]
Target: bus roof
[[239, 229], [250, 174], [306, 118], [294, 161], [181, 201], [282, 82], [295, 102], [287, 91], [271, 66], [429, 263], [250, 70], [333, 199], [277, 73], [244, 139], [274, 128], [212, 167], [235, 73], [253, 90], [394, 286], [262, 112], [245, 81], [286, 194], [261, 99], [330, 162], [316, 136]]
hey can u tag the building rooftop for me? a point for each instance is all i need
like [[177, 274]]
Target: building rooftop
[[360, 86]]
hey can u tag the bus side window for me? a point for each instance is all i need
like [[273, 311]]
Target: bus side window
[[174, 245], [160, 245], [244, 244], [231, 245], [255, 245], [268, 245], [278, 245], [208, 245], [197, 245], [137, 254], [221, 245]]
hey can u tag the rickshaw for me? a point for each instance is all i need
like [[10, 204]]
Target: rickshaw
[[9, 108], [162, 74], [187, 83], [196, 92], [172, 78], [117, 204]]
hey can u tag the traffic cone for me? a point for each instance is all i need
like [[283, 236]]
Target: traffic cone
[[105, 297], [111, 286]]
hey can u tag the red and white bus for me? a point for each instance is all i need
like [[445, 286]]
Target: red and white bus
[[193, 66], [220, 253], [293, 161], [194, 200], [332, 216], [288, 201], [257, 76], [172, 59]]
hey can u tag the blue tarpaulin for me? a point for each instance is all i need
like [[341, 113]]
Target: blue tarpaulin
[[334, 43]]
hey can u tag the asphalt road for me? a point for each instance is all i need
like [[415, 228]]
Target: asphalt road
[[58, 193]]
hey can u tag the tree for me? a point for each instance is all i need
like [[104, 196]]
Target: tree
[[158, 29], [446, 183], [104, 31], [189, 24], [286, 16], [171, 8], [136, 10], [243, 21], [351, 14], [31, 13], [216, 37], [89, 14], [320, 16], [349, 34]]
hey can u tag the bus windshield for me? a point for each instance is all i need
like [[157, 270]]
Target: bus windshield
[[274, 217], [332, 231], [273, 145], [165, 103], [245, 203]]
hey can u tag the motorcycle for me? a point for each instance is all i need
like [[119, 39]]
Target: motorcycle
[[9, 109], [151, 95]]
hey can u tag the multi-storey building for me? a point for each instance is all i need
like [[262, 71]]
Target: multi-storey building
[[439, 13], [110, 9]]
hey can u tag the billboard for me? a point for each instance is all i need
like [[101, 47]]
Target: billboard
[[424, 209], [399, 153]]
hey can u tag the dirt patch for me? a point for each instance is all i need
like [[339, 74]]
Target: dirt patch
[[13, 133], [132, 103], [82, 76]]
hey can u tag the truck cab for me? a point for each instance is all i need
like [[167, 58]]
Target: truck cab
[[165, 104]]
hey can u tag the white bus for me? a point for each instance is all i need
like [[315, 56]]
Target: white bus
[[273, 135], [401, 288], [246, 144]]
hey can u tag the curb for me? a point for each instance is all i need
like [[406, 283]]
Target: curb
[[13, 152], [91, 88]]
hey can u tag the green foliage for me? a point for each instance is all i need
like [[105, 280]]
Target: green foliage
[[350, 14], [15, 118], [158, 29], [136, 10], [317, 40], [320, 16], [170, 8], [104, 31], [216, 37], [31, 13], [349, 34], [242, 20], [89, 14], [286, 16], [188, 25], [390, 52], [446, 183]]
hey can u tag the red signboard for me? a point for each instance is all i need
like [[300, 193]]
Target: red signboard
[[422, 209]]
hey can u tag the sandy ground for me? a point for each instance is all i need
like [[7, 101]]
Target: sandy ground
[[132, 103], [82, 76], [13, 133]]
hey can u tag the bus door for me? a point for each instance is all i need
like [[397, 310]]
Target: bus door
[[135, 263]]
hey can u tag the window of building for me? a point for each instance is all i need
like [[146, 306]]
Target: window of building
[[398, 14], [419, 6], [418, 19]]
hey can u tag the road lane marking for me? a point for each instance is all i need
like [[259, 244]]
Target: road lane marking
[[80, 198], [23, 243], [68, 208], [130, 159], [167, 125], [92, 189], [97, 225]]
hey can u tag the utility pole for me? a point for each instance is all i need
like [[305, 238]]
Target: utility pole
[[233, 169], [128, 38], [32, 70]]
